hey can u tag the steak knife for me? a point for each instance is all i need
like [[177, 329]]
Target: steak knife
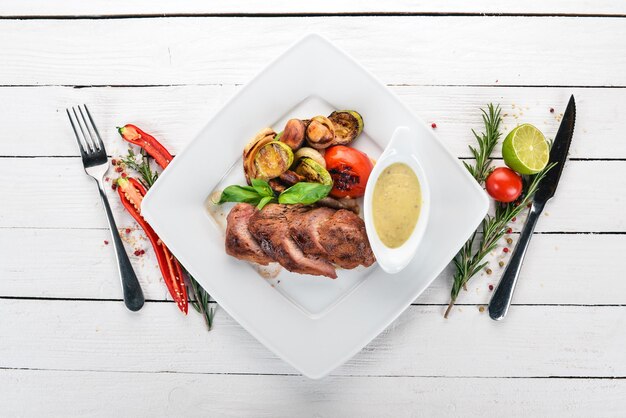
[[501, 299]]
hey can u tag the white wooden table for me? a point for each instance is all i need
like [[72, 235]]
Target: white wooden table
[[68, 347]]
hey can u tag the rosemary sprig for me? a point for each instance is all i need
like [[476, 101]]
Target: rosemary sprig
[[200, 301], [486, 143], [469, 261], [141, 164]]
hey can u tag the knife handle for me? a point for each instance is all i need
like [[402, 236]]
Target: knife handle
[[501, 299]]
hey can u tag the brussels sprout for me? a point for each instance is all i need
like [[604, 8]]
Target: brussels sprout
[[262, 138], [313, 171], [320, 132], [272, 159], [348, 125], [310, 153]]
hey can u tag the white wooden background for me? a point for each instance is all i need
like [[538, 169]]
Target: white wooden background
[[68, 347]]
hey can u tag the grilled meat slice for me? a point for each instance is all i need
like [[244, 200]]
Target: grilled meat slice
[[270, 227], [304, 229], [239, 241], [344, 238]]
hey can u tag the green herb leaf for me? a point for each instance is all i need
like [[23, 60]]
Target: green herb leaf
[[236, 193], [201, 301], [264, 201], [304, 193], [262, 187], [141, 165]]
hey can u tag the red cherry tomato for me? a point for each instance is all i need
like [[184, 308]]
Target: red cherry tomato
[[349, 169], [504, 185]]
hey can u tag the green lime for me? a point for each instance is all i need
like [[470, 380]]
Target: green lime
[[526, 150]]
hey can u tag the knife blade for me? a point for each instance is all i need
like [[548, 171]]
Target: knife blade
[[558, 154], [501, 299]]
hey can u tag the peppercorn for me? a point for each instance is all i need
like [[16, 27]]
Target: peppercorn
[[106, 242], [433, 125], [488, 271], [501, 263], [490, 287], [506, 250], [551, 110], [509, 241]]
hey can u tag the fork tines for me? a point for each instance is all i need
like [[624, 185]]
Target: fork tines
[[90, 141]]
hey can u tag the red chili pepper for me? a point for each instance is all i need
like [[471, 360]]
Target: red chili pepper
[[136, 136], [131, 193]]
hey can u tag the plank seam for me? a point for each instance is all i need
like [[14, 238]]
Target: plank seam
[[60, 299], [357, 376], [311, 15], [86, 86]]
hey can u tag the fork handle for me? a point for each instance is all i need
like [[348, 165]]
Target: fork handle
[[133, 295], [501, 299]]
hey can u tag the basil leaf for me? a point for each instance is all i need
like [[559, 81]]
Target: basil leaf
[[264, 201], [262, 187], [236, 193], [304, 193]]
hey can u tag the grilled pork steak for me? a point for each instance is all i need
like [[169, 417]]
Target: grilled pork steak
[[304, 229], [239, 241], [270, 227], [301, 238], [344, 238]]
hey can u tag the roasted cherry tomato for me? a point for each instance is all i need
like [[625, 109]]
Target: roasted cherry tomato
[[349, 169], [504, 185]]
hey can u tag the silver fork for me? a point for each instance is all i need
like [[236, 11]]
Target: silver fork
[[96, 164]]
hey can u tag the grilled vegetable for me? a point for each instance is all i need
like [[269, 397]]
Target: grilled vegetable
[[290, 178], [348, 125], [277, 186], [293, 135], [346, 203], [262, 138], [320, 133], [313, 171], [310, 153], [349, 169], [272, 159]]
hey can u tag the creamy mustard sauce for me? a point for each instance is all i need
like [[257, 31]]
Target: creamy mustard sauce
[[396, 204]]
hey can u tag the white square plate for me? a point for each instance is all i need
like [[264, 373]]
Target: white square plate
[[313, 323]]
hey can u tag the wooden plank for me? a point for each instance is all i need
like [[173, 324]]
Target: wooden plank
[[148, 7], [537, 341], [56, 193], [176, 114], [559, 269], [137, 394], [400, 50]]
